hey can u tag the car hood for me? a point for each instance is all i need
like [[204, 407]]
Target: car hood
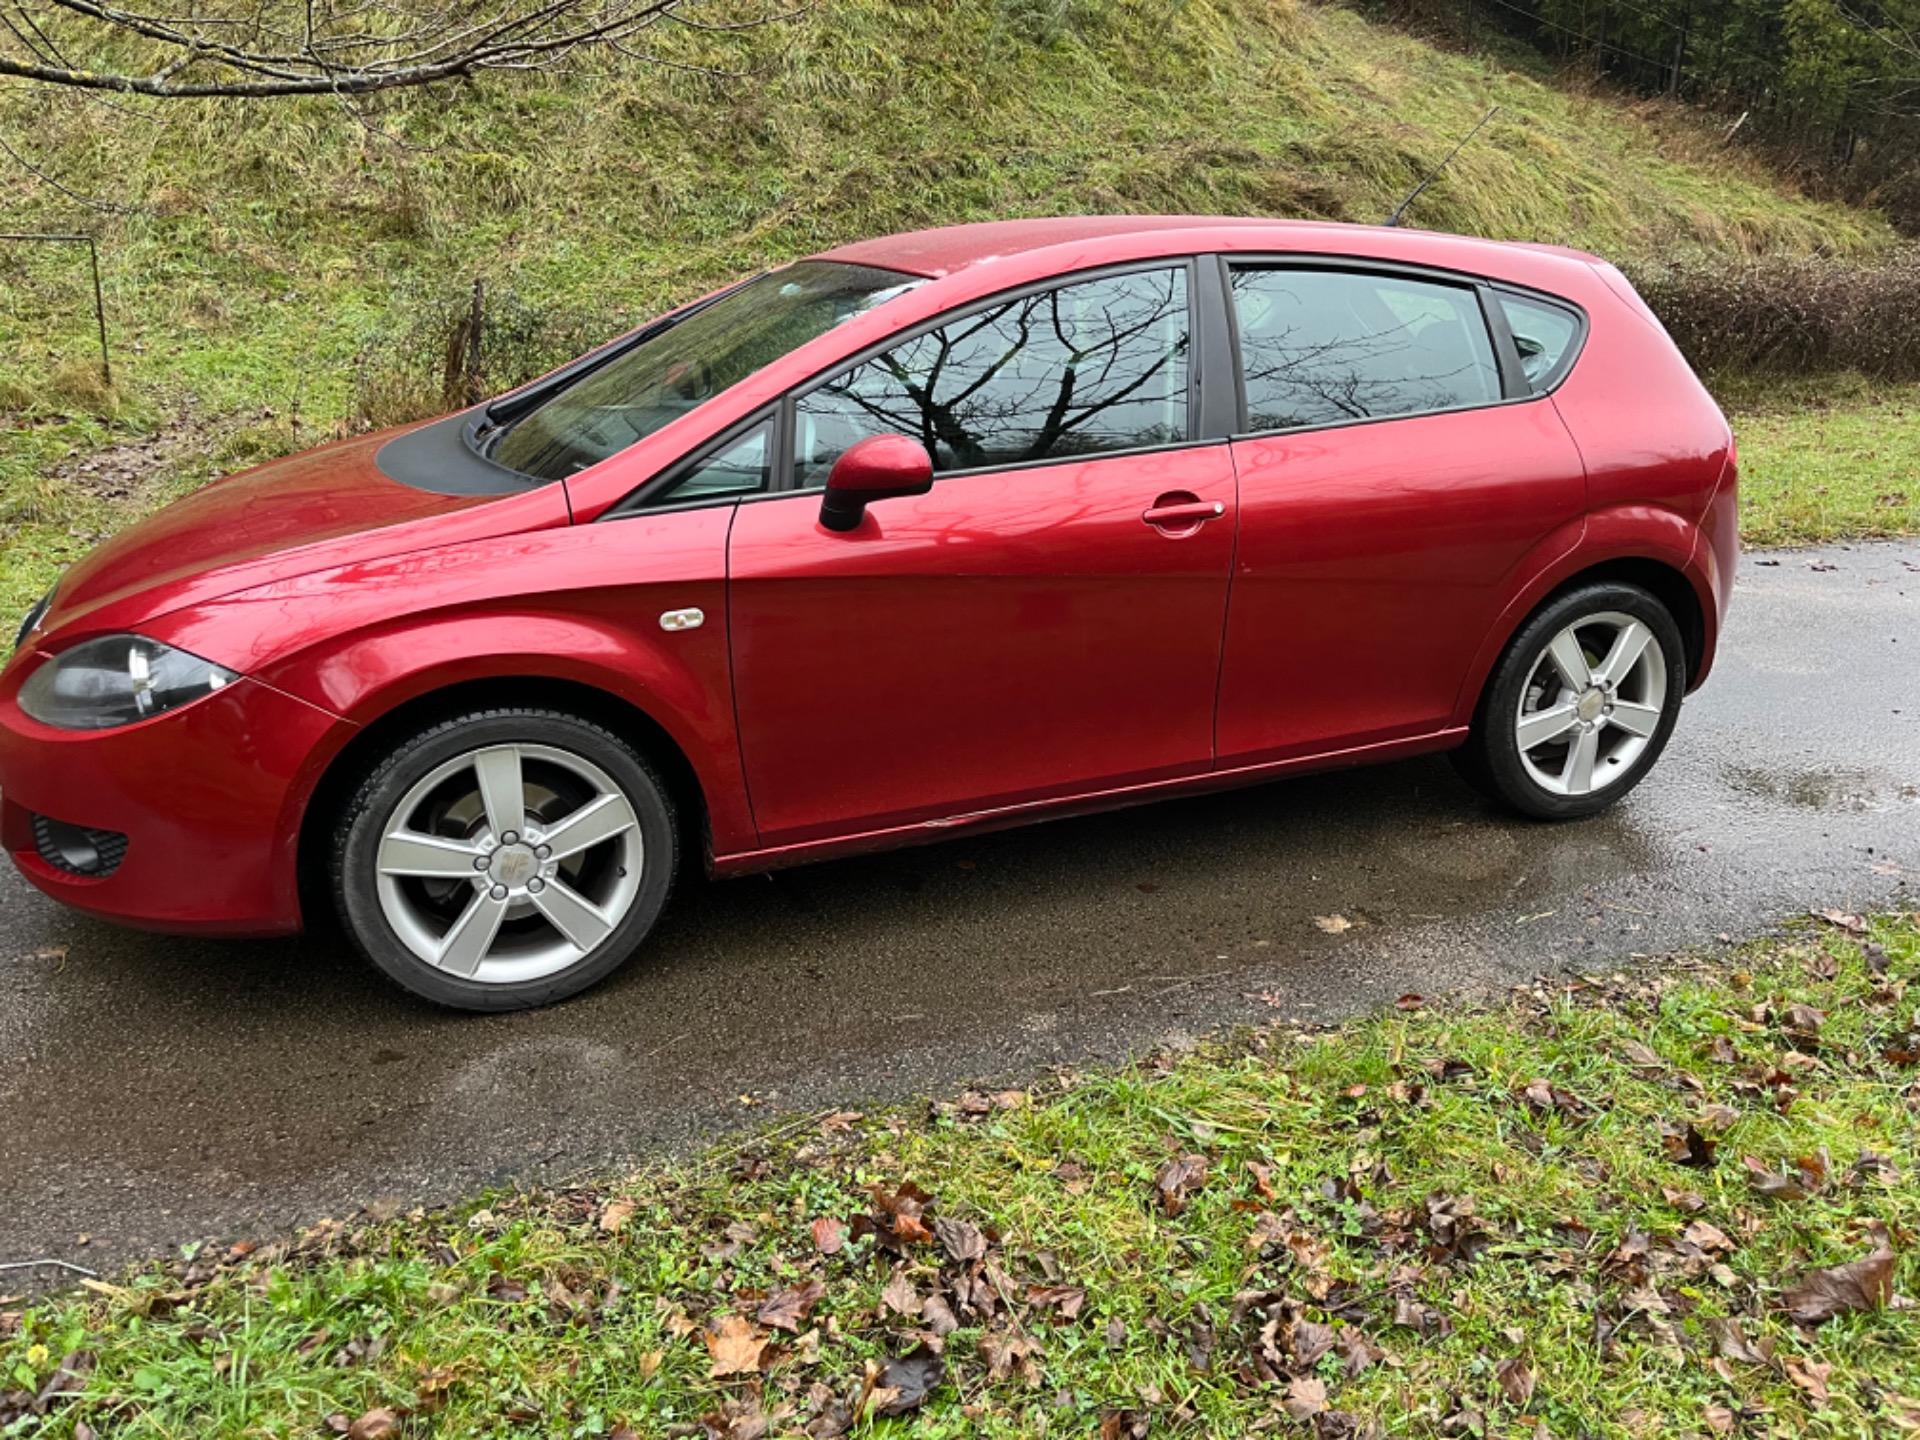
[[288, 517]]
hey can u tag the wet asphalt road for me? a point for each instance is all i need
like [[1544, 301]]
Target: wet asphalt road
[[154, 1090]]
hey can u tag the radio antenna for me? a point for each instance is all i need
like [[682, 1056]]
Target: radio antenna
[[1434, 174]]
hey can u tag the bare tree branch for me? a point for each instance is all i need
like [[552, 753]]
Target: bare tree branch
[[260, 48]]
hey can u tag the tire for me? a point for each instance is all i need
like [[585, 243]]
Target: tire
[[541, 921], [1615, 727]]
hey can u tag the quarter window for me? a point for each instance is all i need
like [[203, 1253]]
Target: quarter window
[[1543, 333], [1320, 347], [739, 468], [1085, 369]]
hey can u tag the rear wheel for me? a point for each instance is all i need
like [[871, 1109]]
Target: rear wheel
[[504, 859], [1581, 704]]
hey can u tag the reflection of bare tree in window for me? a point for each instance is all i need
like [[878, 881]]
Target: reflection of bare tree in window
[[1319, 348], [1087, 368]]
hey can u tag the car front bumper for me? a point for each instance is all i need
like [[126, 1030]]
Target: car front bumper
[[185, 822]]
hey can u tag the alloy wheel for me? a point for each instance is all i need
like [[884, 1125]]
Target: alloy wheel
[[509, 863], [1591, 704]]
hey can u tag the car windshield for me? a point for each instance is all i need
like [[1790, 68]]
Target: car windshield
[[668, 374]]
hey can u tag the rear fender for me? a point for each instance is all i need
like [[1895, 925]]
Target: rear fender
[[1623, 532]]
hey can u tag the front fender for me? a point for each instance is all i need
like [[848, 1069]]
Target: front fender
[[580, 605], [1622, 532]]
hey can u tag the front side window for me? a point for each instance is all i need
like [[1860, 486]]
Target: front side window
[[1543, 333], [663, 377], [1321, 347], [1085, 369]]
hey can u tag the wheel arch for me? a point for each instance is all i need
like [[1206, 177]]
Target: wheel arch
[[345, 769], [1667, 575]]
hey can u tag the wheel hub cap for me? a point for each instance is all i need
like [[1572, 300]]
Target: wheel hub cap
[[513, 865], [1591, 704]]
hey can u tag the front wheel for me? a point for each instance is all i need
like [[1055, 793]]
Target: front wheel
[[1581, 704], [504, 859]]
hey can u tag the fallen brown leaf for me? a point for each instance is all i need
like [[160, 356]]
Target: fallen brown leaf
[[1008, 1355], [1516, 1380], [829, 1235], [1858, 1285], [1730, 1342], [905, 1382], [1178, 1180], [376, 1424], [1067, 1300], [785, 1309], [962, 1241], [1685, 1145], [1710, 1238], [616, 1214], [938, 1316], [1809, 1375], [1306, 1397], [736, 1347], [1772, 1184], [900, 1296], [1853, 924], [1310, 1342]]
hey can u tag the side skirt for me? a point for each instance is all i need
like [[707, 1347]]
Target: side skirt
[[927, 832]]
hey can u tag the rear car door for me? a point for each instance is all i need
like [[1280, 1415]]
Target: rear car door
[[1045, 621], [1394, 471]]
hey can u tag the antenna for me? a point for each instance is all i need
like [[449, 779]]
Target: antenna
[[1434, 174]]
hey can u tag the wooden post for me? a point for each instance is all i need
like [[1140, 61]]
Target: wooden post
[[100, 313], [476, 317]]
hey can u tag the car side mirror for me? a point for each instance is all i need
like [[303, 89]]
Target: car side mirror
[[876, 468]]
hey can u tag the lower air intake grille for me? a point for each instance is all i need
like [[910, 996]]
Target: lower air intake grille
[[78, 850]]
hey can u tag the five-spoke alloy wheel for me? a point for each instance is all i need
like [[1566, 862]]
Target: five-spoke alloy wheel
[[505, 858], [1581, 704]]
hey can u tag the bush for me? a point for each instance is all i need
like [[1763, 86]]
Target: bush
[[1792, 317], [423, 362], [1042, 22]]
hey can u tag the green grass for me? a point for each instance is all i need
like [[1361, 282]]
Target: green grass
[[1832, 459], [1391, 1180], [276, 255]]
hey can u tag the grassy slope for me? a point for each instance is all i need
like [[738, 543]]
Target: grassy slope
[[274, 244], [1589, 1257]]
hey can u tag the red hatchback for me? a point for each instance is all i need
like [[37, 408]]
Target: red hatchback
[[928, 534]]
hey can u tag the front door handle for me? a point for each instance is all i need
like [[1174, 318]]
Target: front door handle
[[1183, 512]]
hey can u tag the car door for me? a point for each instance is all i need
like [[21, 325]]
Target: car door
[[1045, 621], [1393, 473]]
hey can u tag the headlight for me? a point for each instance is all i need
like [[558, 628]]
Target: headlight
[[34, 617], [117, 680]]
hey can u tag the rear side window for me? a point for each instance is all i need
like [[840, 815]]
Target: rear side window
[[1544, 334], [1085, 369], [1322, 347]]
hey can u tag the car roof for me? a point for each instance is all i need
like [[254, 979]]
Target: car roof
[[953, 248]]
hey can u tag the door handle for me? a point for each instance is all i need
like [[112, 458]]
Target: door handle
[[1186, 514]]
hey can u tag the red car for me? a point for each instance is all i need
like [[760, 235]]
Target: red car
[[924, 535]]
